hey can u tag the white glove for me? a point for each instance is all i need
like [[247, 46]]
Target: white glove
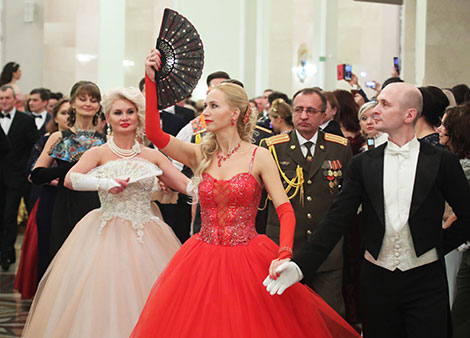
[[290, 274], [82, 182], [190, 191]]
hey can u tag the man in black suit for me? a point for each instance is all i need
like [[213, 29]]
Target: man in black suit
[[402, 186], [38, 99], [21, 134], [185, 113], [264, 120]]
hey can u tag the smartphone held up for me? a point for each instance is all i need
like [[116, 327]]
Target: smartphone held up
[[396, 64], [370, 84], [344, 72]]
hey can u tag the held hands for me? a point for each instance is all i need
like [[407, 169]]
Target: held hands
[[274, 265], [123, 183], [152, 62], [285, 275]]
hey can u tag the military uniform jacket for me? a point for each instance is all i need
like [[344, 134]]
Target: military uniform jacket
[[332, 155]]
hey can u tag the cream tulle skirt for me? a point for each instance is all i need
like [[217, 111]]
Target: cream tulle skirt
[[97, 284]]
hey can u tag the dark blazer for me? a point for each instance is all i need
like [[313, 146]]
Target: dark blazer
[[333, 127], [22, 135], [264, 122], [439, 178], [185, 113], [4, 144], [171, 123], [43, 130], [318, 195]]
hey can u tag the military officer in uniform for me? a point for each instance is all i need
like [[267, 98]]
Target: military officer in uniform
[[311, 164]]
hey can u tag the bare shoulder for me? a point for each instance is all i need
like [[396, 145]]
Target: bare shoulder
[[153, 155], [263, 159], [54, 137], [262, 153], [52, 140], [97, 150], [95, 154]]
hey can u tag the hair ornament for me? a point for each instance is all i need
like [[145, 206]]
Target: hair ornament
[[247, 114], [276, 102]]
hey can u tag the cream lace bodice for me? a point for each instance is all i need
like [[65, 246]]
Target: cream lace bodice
[[132, 204]]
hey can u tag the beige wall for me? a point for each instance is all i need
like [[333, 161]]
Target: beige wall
[[447, 43], [368, 39], [22, 42], [255, 41]]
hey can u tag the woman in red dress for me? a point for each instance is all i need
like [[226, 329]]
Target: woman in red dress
[[213, 286]]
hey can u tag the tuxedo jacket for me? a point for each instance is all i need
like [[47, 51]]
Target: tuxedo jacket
[[21, 137], [333, 127], [43, 130], [185, 113], [4, 144], [171, 123], [439, 178]]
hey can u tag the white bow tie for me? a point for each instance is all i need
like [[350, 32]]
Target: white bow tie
[[395, 151]]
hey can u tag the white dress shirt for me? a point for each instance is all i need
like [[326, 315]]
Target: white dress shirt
[[324, 125], [302, 141], [397, 251], [6, 122], [39, 120]]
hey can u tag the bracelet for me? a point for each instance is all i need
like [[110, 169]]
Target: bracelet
[[285, 249], [98, 185]]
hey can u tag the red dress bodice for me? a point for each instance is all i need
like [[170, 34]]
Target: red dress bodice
[[228, 209]]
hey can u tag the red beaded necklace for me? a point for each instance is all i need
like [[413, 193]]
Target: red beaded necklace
[[222, 157]]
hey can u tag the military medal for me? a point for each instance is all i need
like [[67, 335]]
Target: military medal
[[340, 173]]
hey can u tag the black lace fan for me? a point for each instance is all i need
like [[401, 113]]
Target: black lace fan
[[182, 56]]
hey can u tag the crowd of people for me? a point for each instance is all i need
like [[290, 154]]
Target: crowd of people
[[201, 219]]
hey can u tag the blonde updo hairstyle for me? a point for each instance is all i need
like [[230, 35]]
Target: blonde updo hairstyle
[[279, 107], [236, 97], [131, 94]]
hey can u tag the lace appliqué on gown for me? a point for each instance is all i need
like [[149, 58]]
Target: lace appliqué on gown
[[228, 209], [132, 204]]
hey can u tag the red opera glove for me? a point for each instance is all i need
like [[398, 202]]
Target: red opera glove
[[153, 127], [287, 221]]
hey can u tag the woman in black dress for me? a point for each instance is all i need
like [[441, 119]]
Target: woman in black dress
[[35, 249], [65, 148]]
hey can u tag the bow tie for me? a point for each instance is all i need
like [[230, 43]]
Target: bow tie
[[395, 151], [36, 116], [5, 115]]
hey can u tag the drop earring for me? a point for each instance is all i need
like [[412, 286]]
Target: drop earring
[[108, 130]]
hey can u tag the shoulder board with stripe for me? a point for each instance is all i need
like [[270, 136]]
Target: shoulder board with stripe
[[266, 130], [336, 139], [276, 139]]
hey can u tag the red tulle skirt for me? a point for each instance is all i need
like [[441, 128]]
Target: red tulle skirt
[[217, 291], [26, 277]]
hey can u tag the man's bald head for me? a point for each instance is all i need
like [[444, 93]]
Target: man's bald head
[[408, 96]]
